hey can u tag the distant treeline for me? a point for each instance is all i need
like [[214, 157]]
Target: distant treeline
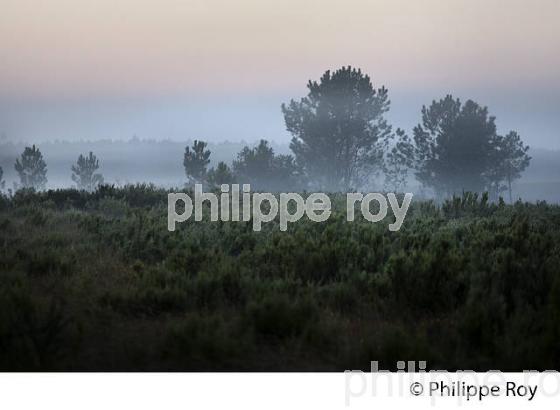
[[341, 140], [121, 162], [160, 162]]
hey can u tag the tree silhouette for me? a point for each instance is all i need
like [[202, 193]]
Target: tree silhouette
[[261, 168], [31, 168], [339, 129], [509, 160], [2, 182], [399, 161], [83, 173], [195, 161], [454, 146], [222, 174]]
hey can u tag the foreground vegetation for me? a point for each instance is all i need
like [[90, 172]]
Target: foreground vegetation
[[94, 281]]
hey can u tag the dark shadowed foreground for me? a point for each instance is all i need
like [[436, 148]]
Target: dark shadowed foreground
[[96, 282]]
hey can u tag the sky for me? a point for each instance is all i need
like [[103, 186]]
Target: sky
[[219, 69]]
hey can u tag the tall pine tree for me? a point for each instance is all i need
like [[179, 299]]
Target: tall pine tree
[[32, 169]]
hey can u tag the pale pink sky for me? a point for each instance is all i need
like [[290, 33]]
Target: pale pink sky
[[61, 52]]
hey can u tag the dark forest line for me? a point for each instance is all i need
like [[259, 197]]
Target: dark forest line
[[160, 162]]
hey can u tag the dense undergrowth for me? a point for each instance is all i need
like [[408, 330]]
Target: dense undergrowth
[[96, 282]]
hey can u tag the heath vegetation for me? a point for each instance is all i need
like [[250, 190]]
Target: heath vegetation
[[95, 281]]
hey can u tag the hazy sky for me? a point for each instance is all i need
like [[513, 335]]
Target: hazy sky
[[219, 69]]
